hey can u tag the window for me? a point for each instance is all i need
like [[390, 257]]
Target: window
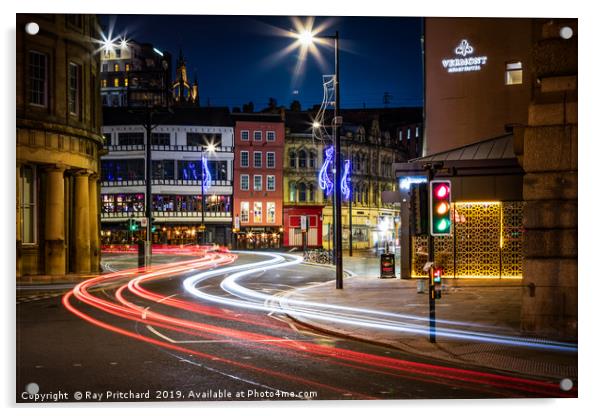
[[270, 216], [257, 185], [292, 189], [270, 161], [244, 135], [244, 159], [271, 136], [514, 73], [312, 159], [108, 137], [302, 159], [127, 67], [257, 214], [244, 211], [409, 132], [74, 89], [203, 139], [302, 192], [292, 159], [244, 182], [118, 170], [38, 78], [118, 53], [161, 139], [310, 192], [130, 139], [417, 132], [271, 183], [163, 169], [116, 82], [125, 81], [115, 67], [257, 136], [28, 204], [104, 68], [103, 83], [256, 159]]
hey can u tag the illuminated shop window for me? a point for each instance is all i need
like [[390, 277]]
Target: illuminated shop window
[[244, 211], [116, 82], [257, 212], [514, 73], [271, 212]]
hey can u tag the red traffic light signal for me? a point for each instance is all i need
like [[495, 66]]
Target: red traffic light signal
[[440, 207]]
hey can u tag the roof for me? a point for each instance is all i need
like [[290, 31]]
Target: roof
[[179, 116], [259, 117], [501, 147]]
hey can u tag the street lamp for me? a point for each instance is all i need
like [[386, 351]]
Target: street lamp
[[306, 38]]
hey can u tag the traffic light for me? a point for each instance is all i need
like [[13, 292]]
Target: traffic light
[[419, 209], [440, 207], [153, 225], [437, 274], [132, 224]]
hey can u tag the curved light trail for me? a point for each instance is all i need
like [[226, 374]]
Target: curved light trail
[[255, 300], [130, 285]]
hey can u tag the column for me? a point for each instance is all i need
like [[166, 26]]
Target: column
[[18, 220], [81, 229], [94, 224], [54, 219]]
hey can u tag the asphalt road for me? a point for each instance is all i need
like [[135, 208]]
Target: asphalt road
[[224, 352]]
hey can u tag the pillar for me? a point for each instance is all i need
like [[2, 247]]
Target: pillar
[[54, 220], [81, 222], [548, 147], [94, 224], [19, 267]]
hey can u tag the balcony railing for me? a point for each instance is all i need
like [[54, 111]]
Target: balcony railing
[[173, 182], [163, 214], [167, 148]]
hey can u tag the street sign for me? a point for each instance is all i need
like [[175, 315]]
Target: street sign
[[303, 223]]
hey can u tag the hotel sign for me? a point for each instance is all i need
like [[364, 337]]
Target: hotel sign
[[464, 61]]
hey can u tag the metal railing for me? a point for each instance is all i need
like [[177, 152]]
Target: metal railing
[[176, 182], [163, 214], [167, 148]]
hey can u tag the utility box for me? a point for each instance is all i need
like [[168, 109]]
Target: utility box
[[387, 266]]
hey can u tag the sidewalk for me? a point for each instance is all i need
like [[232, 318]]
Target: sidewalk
[[494, 305]]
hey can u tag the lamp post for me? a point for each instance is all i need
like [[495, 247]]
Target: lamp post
[[307, 38]]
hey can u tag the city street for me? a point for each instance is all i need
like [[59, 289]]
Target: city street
[[212, 328]]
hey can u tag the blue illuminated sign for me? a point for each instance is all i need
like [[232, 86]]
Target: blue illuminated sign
[[407, 181]]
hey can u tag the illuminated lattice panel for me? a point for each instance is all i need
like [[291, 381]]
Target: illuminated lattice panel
[[444, 255], [477, 229], [512, 241]]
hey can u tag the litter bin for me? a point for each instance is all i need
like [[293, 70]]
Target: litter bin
[[387, 265]]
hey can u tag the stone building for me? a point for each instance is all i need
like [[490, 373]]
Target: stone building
[[58, 145], [547, 146]]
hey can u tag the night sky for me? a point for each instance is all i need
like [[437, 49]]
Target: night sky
[[235, 57]]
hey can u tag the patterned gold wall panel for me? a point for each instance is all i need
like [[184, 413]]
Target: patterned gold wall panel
[[486, 241], [512, 242], [477, 229]]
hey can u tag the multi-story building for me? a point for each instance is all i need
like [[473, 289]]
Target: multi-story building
[[371, 153], [127, 66], [179, 144], [258, 180], [58, 144]]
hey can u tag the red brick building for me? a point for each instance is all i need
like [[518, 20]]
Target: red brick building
[[258, 163]]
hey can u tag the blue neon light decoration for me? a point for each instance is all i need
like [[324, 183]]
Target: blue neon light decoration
[[206, 175], [345, 188], [324, 180]]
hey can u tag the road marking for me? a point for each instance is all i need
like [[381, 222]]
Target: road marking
[[214, 341]]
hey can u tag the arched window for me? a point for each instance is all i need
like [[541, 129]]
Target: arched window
[[310, 192], [302, 159], [292, 159], [292, 189], [302, 192]]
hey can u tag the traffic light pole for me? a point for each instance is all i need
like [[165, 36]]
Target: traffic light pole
[[431, 260], [149, 196]]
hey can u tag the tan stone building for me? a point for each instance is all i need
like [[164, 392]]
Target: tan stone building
[[58, 144]]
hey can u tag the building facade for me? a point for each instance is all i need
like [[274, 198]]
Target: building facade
[[258, 180], [128, 66], [183, 212], [371, 154], [58, 145], [477, 79]]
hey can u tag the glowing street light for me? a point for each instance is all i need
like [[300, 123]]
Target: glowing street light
[[306, 37]]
